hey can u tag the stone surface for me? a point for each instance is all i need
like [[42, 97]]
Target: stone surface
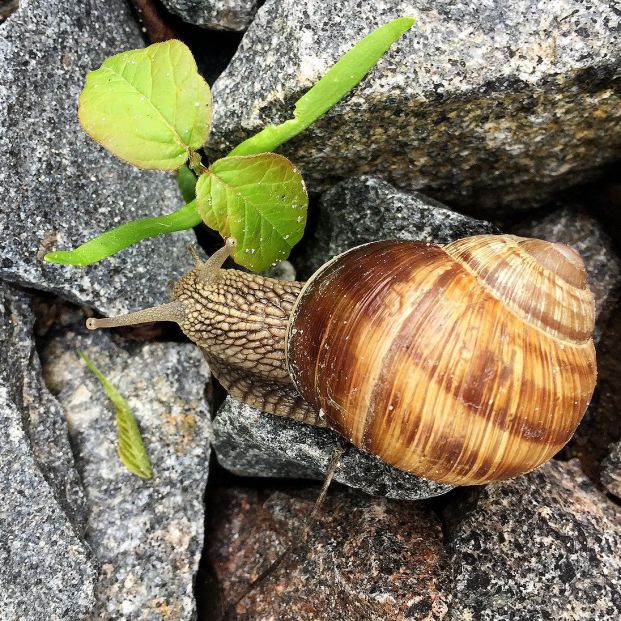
[[542, 546], [365, 558], [364, 209], [58, 187], [611, 470], [46, 570], [216, 14], [249, 442], [482, 105], [574, 226], [146, 535]]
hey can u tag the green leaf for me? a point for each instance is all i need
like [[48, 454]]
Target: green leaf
[[117, 239], [149, 107], [258, 199], [131, 449], [186, 180], [331, 88]]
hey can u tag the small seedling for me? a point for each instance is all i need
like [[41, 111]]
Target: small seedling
[[151, 108], [130, 446]]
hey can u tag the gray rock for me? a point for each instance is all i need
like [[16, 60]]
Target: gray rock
[[611, 470], [46, 569], [366, 558], [574, 226], [216, 14], [542, 546], [59, 188], [479, 104], [147, 534], [364, 209], [249, 442]]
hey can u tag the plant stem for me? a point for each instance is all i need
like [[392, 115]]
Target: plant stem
[[117, 239]]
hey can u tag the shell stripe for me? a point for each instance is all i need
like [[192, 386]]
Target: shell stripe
[[536, 294], [482, 375]]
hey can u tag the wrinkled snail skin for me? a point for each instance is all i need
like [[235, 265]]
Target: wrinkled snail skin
[[466, 363], [239, 321]]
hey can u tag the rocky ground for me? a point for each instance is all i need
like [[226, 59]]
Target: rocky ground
[[497, 117]]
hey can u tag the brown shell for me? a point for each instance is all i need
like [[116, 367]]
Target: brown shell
[[465, 364]]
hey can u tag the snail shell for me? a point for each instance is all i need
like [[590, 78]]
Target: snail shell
[[467, 363]]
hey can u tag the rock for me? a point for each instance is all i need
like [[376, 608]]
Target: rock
[[249, 442], [216, 14], [611, 470], [281, 271], [542, 546], [364, 209], [574, 226], [46, 569], [58, 186], [146, 534], [366, 558], [482, 106]]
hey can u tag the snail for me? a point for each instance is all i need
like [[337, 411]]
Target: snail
[[466, 363]]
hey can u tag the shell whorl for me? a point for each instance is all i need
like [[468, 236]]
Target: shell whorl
[[442, 360], [543, 282]]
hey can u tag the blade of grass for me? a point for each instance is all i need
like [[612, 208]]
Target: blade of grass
[[130, 447], [331, 88], [117, 239]]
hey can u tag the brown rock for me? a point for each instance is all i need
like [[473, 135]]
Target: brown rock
[[366, 558]]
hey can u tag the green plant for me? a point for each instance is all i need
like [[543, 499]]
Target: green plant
[[151, 108], [130, 447]]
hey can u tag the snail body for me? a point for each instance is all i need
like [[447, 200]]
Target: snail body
[[466, 363]]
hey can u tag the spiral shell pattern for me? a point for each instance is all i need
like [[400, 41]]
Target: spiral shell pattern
[[464, 364]]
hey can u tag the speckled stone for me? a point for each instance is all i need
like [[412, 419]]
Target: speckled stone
[[58, 187], [573, 225], [215, 14], [46, 570], [365, 558], [480, 104], [542, 546], [364, 209], [146, 535], [611, 470], [249, 442]]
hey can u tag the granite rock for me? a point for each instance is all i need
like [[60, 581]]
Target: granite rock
[[541, 546], [481, 105], [146, 534], [59, 188], [611, 470], [364, 209], [366, 558], [249, 442], [46, 569], [217, 14], [573, 225]]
